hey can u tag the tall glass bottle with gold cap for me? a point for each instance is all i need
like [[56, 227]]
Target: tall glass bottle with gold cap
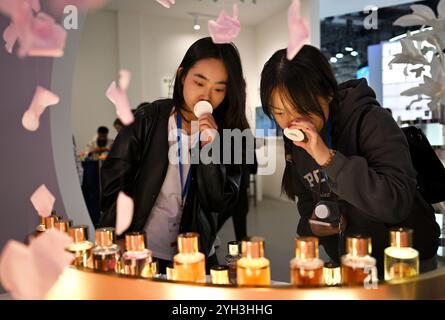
[[306, 268], [232, 258], [63, 226], [189, 263], [401, 260], [137, 259], [81, 247], [50, 222], [253, 269], [357, 264], [106, 254]]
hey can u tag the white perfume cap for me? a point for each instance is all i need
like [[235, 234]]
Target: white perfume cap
[[294, 134], [201, 108], [322, 211]]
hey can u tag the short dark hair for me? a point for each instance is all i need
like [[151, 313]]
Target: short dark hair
[[103, 130], [118, 122], [300, 82], [231, 114]]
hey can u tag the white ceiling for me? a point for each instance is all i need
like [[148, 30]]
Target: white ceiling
[[250, 14]]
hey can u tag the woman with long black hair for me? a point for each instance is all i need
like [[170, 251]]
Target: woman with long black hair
[[172, 196], [348, 152]]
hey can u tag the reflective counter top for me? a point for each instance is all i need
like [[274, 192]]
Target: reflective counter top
[[89, 285]]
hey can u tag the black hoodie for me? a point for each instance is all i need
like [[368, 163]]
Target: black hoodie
[[376, 188]]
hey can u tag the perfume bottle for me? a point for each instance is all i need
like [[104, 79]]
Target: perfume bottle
[[231, 259], [136, 260], [401, 260], [220, 275], [41, 228], [358, 267], [253, 269], [332, 274], [81, 247], [50, 222], [189, 263], [63, 225], [106, 254], [306, 267], [170, 271]]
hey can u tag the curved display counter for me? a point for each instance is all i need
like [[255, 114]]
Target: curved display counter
[[90, 285]]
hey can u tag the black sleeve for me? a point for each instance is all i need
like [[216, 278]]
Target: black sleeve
[[305, 205], [119, 170], [381, 182], [219, 186]]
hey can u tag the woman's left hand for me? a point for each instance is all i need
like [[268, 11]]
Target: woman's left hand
[[313, 144], [208, 128]]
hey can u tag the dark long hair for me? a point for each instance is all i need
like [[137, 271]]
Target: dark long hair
[[299, 82], [231, 114]]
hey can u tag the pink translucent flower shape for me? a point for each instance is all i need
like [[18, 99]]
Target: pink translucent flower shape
[[35, 5], [124, 212], [43, 37], [118, 96], [42, 99], [298, 30], [29, 272], [166, 3], [38, 35], [43, 201], [225, 29], [18, 10], [10, 35]]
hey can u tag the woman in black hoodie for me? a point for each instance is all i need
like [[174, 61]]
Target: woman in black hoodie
[[366, 170]]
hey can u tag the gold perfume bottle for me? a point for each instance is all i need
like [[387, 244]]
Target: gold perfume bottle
[[137, 259], [332, 274], [401, 260], [63, 225], [106, 254], [358, 267], [306, 267], [41, 228], [220, 275], [189, 263], [50, 222], [232, 258], [253, 269], [170, 271], [81, 247]]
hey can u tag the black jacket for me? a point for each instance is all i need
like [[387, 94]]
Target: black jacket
[[377, 186], [137, 164]]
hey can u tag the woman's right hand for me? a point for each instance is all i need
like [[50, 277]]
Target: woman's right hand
[[326, 231]]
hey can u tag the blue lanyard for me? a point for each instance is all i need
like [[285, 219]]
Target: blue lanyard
[[187, 183]]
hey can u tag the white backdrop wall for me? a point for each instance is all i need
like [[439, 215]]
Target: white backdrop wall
[[96, 67]]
